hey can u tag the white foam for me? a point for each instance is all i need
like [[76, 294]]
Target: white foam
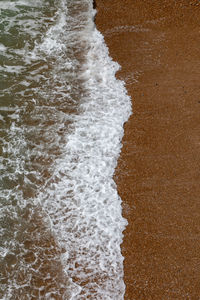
[[7, 5], [2, 48], [81, 197], [13, 5], [7, 108], [50, 43], [12, 69]]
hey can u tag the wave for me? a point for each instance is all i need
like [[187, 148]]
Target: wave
[[65, 141]]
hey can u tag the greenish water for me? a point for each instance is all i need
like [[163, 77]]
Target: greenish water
[[34, 108]]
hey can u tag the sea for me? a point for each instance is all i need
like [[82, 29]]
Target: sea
[[62, 112]]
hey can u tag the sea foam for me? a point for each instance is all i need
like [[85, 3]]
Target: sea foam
[[61, 150], [81, 199]]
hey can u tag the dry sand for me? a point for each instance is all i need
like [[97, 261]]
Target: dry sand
[[157, 43]]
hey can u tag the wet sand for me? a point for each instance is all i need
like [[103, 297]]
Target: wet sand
[[157, 43]]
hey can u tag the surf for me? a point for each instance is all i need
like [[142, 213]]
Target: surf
[[63, 141]]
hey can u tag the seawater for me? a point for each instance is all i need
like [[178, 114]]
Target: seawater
[[62, 112]]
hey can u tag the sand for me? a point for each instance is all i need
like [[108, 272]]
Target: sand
[[157, 43]]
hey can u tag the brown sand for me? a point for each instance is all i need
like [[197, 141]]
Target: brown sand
[[157, 43]]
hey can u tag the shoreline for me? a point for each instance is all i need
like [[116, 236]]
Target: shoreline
[[158, 170]]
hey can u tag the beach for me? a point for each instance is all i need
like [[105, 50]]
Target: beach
[[157, 46]]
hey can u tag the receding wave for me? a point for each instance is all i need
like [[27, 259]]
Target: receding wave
[[62, 112]]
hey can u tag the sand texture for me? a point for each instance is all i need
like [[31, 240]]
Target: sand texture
[[157, 43]]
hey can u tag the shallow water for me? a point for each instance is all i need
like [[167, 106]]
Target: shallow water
[[61, 122]]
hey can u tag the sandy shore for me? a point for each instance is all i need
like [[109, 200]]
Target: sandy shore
[[157, 43]]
